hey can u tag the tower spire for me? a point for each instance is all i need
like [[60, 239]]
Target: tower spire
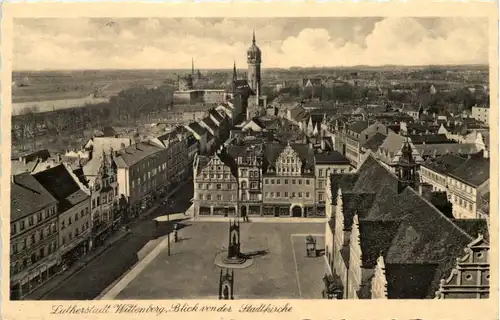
[[192, 66], [253, 37], [235, 74]]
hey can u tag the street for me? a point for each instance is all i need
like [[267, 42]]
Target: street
[[92, 279]]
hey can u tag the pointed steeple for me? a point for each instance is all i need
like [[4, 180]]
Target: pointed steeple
[[253, 38], [235, 74], [192, 66]]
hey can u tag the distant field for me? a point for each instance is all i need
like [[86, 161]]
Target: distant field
[[52, 105], [49, 86]]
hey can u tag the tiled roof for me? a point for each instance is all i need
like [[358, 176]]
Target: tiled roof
[[273, 150], [410, 281], [430, 139], [62, 186], [356, 203], [392, 144], [210, 123], [375, 239], [425, 235], [475, 171], [375, 142], [27, 196], [135, 153], [216, 115], [332, 157], [343, 181], [444, 164], [474, 227], [197, 128], [434, 150], [358, 126]]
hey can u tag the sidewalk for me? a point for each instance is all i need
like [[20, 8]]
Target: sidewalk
[[56, 281], [259, 219]]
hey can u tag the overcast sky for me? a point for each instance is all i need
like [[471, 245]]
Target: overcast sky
[[54, 43]]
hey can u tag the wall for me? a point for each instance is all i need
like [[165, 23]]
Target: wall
[[76, 220]]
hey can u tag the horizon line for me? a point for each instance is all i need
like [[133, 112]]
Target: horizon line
[[279, 68]]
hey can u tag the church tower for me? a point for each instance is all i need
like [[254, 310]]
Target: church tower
[[254, 59], [406, 168]]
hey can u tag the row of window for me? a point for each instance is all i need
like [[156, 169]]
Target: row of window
[[149, 164], [285, 181], [249, 173], [433, 176], [77, 233], [104, 199], [218, 176], [105, 182], [215, 186], [462, 186], [32, 239], [218, 197], [462, 203], [147, 175], [32, 220], [83, 213], [285, 195], [41, 253]]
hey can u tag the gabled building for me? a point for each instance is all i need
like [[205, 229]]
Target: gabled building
[[215, 186], [34, 242], [74, 211], [386, 241], [288, 180]]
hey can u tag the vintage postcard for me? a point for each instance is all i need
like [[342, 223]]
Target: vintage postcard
[[232, 161]]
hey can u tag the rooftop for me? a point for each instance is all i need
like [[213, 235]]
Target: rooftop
[[475, 171], [135, 153], [27, 196], [332, 157]]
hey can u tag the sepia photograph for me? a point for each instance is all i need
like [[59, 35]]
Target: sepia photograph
[[231, 158]]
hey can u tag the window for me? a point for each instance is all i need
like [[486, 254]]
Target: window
[[267, 194], [293, 181], [321, 184], [13, 248], [70, 236], [218, 186], [253, 185], [200, 186], [39, 217], [286, 194], [286, 181], [219, 197], [307, 181], [300, 181], [320, 197], [209, 197], [63, 240], [22, 224], [272, 194], [300, 194], [76, 216], [13, 228], [278, 195], [278, 181], [267, 181], [63, 225], [293, 194], [321, 172], [272, 181], [69, 221], [87, 210], [82, 213], [229, 186]]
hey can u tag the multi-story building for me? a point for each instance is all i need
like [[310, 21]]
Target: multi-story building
[[435, 171], [142, 174], [34, 239], [355, 135], [481, 113], [380, 227], [327, 163], [215, 186], [74, 214], [467, 184], [249, 166], [176, 144], [288, 180], [100, 177]]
